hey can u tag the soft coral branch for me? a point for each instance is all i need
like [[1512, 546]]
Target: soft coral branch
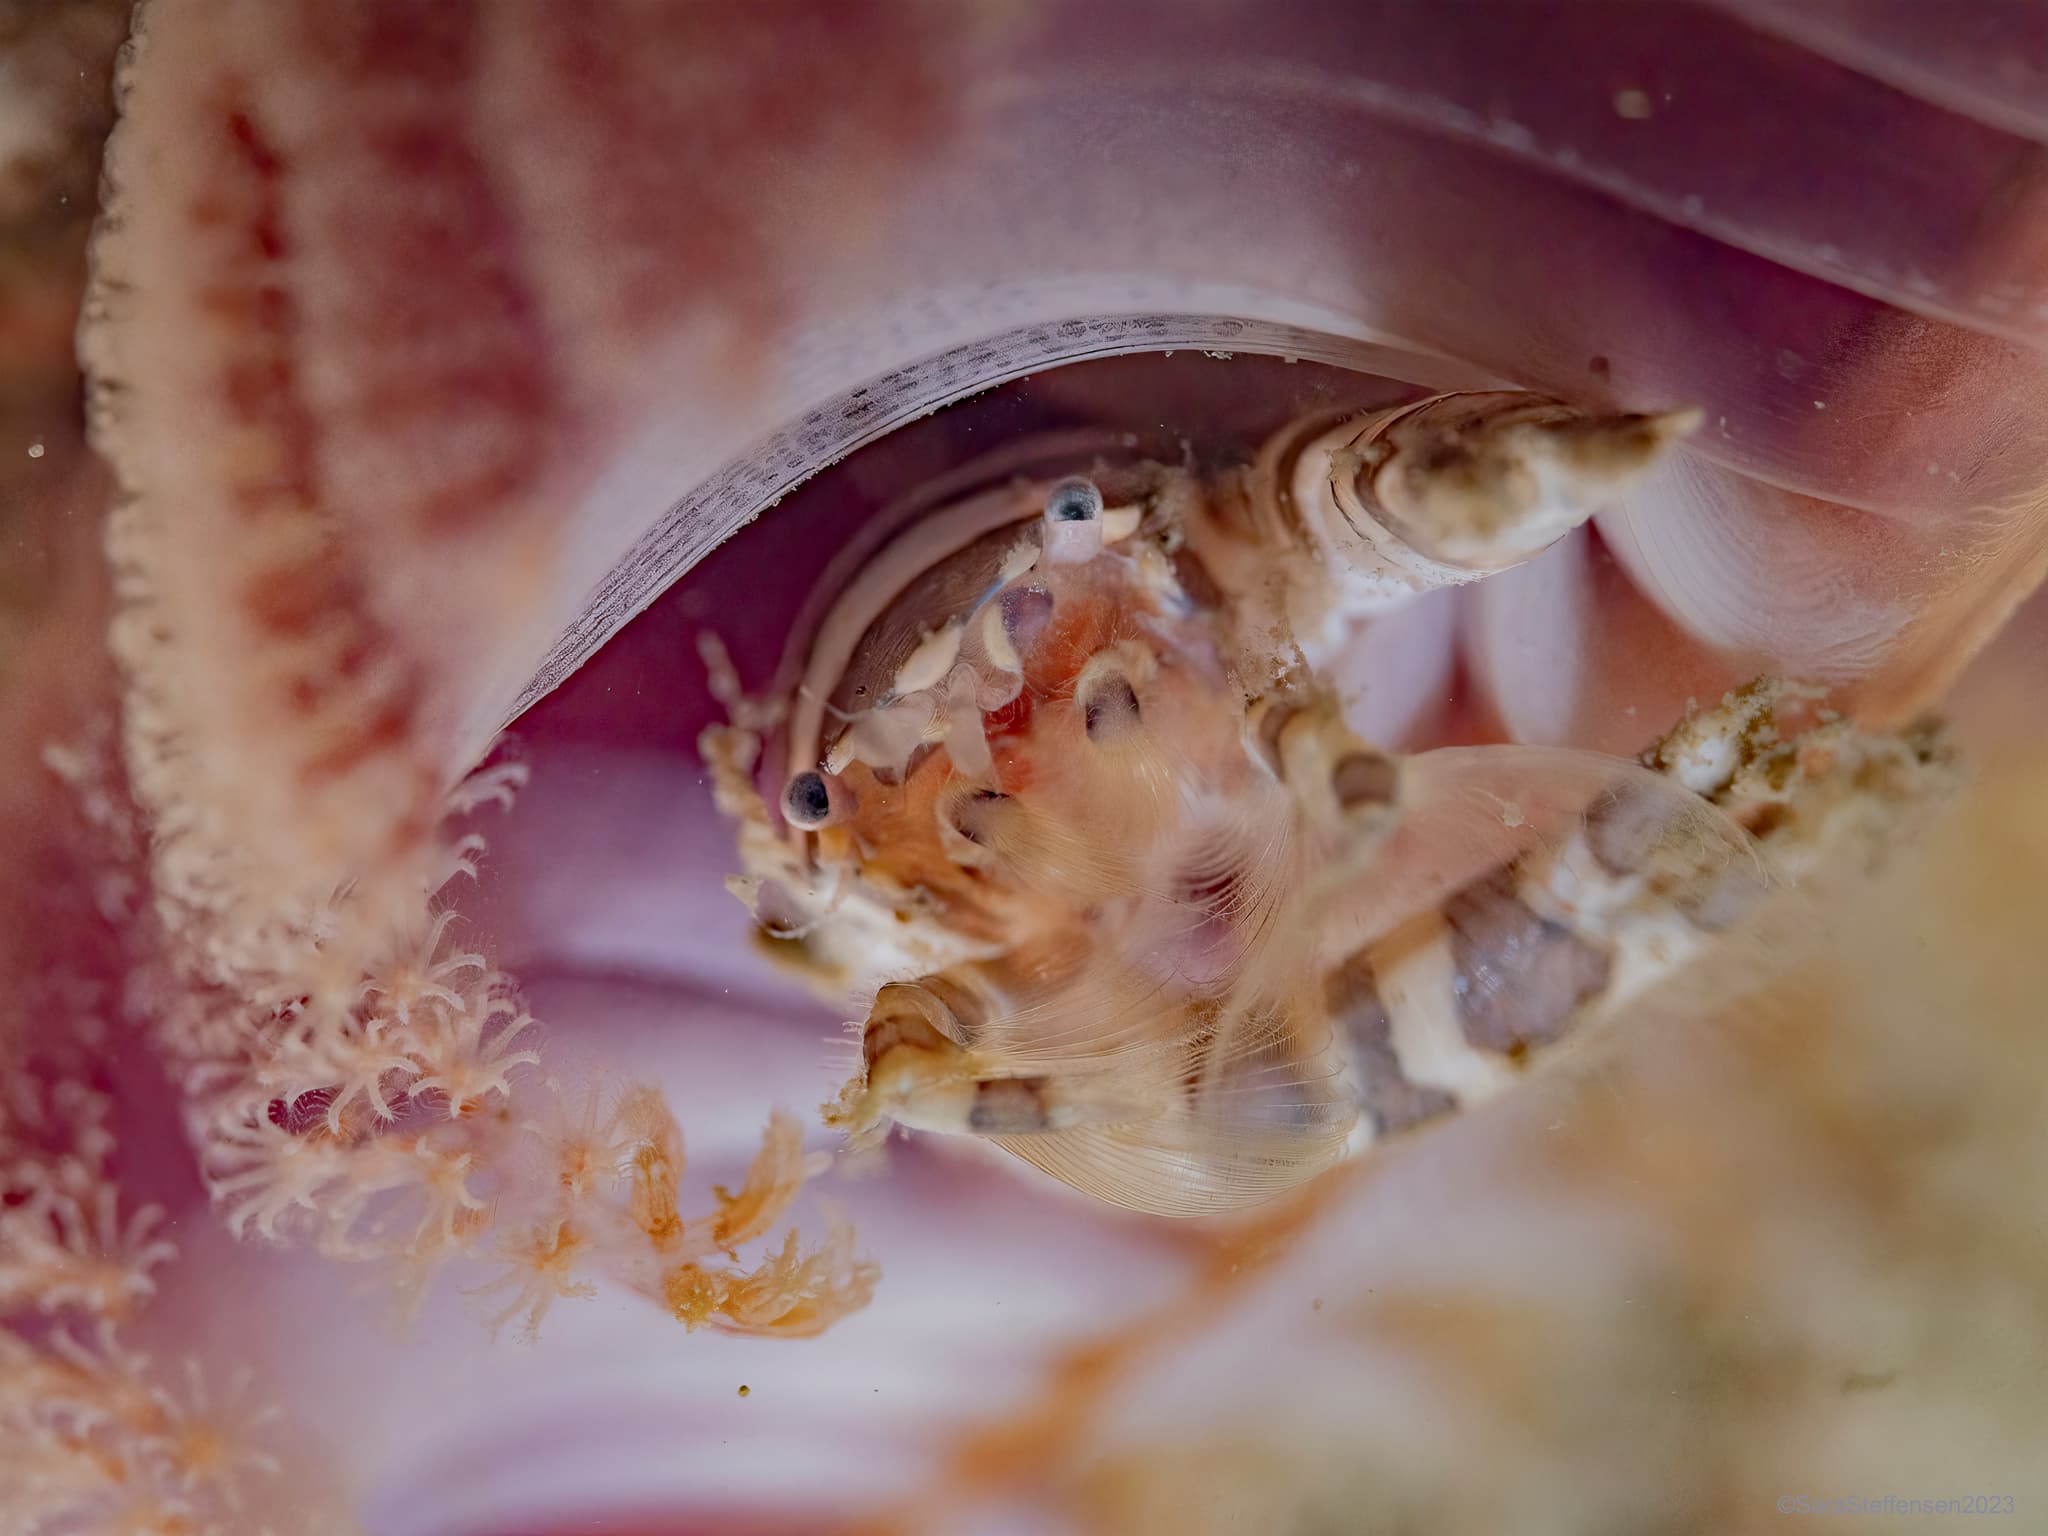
[[612, 1182], [92, 1435], [362, 1099]]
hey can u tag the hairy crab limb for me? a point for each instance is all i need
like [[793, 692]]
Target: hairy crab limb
[[1451, 967]]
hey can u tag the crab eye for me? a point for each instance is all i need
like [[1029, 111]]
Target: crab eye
[[1073, 501], [1110, 709], [1073, 522], [807, 801]]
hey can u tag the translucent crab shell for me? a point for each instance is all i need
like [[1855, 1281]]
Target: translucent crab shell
[[1066, 802]]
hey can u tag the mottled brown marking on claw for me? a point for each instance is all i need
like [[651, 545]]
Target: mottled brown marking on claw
[[1384, 1090], [1725, 901], [1271, 724], [1196, 583], [1364, 779], [897, 1018], [1623, 829], [1521, 976], [1009, 1106]]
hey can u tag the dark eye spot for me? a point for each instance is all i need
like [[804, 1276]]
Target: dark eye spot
[[807, 802], [1008, 1107], [1111, 708], [970, 816], [1073, 501]]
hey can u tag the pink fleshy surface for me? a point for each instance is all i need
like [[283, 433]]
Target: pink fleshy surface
[[548, 270]]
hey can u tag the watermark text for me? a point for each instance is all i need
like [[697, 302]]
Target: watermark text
[[1897, 1504]]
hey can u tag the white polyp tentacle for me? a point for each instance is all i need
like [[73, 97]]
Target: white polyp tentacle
[[1574, 887], [995, 647], [986, 644]]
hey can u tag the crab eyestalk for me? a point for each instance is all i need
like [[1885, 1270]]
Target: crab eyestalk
[[1073, 522]]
